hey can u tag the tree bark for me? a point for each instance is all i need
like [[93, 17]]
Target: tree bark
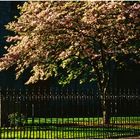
[[106, 112], [106, 117]]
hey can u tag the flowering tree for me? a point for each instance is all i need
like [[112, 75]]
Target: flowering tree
[[73, 40]]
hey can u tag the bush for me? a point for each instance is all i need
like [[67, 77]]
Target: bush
[[16, 119]]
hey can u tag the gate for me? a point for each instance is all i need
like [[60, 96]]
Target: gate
[[67, 113]]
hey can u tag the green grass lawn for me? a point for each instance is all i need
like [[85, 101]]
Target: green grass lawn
[[67, 132], [74, 128], [83, 121]]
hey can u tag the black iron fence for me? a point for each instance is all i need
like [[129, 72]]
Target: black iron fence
[[67, 113]]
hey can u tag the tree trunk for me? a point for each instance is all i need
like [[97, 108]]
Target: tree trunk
[[106, 111], [106, 117]]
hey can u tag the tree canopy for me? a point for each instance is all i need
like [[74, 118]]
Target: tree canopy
[[71, 40]]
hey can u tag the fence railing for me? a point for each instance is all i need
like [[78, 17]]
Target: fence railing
[[66, 113]]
